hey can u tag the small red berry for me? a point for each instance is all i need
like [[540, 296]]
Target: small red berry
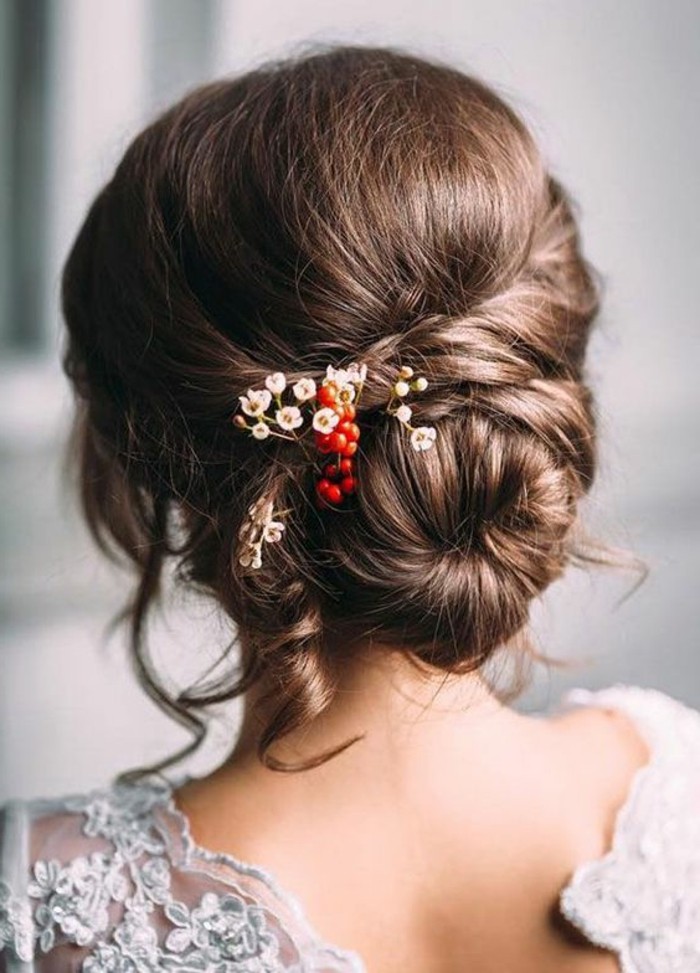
[[322, 486], [350, 449], [350, 411], [346, 466], [331, 470], [338, 441], [324, 443], [333, 494], [349, 429], [347, 484], [327, 394]]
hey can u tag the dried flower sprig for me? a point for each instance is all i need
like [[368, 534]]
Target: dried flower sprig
[[258, 528]]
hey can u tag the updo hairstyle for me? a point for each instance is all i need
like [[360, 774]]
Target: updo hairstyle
[[352, 204]]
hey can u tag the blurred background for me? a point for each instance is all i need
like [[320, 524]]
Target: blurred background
[[610, 88]]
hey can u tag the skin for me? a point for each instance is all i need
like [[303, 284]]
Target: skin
[[455, 820]]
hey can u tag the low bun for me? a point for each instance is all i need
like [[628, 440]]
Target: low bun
[[447, 549], [356, 204]]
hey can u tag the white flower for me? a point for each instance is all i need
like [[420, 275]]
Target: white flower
[[272, 531], [423, 437], [404, 413], [405, 371], [356, 373], [304, 389], [401, 388], [255, 402], [260, 430], [338, 375], [325, 419], [276, 383], [251, 556], [289, 417], [420, 384], [346, 393]]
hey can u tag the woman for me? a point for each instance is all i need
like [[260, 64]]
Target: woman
[[326, 325]]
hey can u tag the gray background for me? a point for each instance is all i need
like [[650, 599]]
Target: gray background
[[610, 88]]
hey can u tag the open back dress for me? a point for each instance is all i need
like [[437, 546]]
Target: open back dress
[[111, 881]]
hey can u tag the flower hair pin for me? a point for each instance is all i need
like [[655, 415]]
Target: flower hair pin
[[331, 411], [258, 528]]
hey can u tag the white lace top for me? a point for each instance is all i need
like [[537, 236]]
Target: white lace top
[[111, 881]]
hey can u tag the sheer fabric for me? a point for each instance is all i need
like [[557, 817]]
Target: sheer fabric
[[112, 882]]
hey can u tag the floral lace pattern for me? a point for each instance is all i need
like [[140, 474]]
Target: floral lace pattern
[[16, 926], [642, 899], [114, 902], [142, 897]]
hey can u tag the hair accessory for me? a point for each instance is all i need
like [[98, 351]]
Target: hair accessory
[[259, 527], [332, 410]]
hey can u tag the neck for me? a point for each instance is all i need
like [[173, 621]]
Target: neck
[[393, 705]]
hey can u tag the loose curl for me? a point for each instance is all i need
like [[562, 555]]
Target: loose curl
[[350, 204]]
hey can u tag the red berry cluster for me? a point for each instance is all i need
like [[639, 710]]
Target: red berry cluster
[[338, 479]]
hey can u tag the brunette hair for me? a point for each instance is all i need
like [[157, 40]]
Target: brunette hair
[[349, 204]]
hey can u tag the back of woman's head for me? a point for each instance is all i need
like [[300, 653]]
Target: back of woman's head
[[353, 205]]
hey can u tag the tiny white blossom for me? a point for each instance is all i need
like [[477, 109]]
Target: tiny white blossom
[[250, 556], [272, 531], [420, 384], [356, 372], [338, 375], [289, 417], [401, 388], [423, 437], [346, 392], [325, 419], [260, 430], [304, 389], [276, 383], [255, 402], [405, 371], [404, 413]]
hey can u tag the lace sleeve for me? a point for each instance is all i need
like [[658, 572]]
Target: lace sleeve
[[642, 899], [16, 924], [106, 882]]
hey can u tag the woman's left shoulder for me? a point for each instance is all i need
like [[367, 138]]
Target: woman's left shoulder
[[669, 726], [642, 898]]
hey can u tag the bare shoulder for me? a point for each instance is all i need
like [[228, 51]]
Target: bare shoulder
[[606, 744]]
